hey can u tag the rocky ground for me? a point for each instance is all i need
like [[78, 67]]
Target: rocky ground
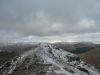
[[46, 59]]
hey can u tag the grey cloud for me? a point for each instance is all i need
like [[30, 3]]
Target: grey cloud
[[88, 37], [8, 36], [49, 17]]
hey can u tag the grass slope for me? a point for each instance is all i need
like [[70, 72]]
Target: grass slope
[[92, 57]]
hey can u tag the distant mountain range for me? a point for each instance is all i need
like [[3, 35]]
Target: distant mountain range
[[77, 47]]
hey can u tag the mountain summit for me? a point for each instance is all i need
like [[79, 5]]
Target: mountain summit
[[47, 59]]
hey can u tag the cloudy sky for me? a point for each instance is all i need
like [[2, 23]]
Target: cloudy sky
[[50, 20]]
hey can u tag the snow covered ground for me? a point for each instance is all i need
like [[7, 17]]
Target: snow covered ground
[[58, 62]]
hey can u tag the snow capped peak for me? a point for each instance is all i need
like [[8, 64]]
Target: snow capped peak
[[47, 59]]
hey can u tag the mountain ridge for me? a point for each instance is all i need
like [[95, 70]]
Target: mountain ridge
[[46, 59]]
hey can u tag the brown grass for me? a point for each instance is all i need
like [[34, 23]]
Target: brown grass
[[92, 57]]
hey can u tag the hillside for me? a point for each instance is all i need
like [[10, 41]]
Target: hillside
[[10, 51], [46, 59], [77, 47], [92, 57]]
